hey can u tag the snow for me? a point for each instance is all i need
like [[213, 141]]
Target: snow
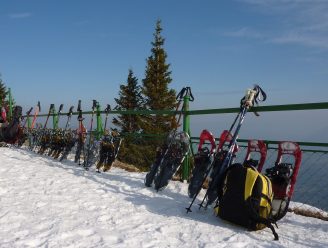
[[46, 203]]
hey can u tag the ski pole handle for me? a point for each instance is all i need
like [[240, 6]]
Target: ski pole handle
[[61, 108], [29, 112], [94, 104], [70, 112], [39, 106], [181, 94], [79, 106], [249, 98], [107, 109]]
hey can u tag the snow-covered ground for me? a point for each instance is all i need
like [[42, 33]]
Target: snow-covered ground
[[45, 203]]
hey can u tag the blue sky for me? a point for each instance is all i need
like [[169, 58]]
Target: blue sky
[[62, 51]]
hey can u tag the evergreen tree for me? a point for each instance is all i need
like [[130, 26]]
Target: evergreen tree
[[129, 99], [155, 87]]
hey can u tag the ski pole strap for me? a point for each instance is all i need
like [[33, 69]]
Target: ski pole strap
[[186, 91], [94, 104], [61, 108], [181, 94], [107, 109], [29, 112], [70, 112], [79, 110]]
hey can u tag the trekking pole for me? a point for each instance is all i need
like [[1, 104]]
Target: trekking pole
[[36, 112], [46, 123], [210, 167], [107, 109], [80, 131], [58, 115], [27, 116], [86, 159], [69, 116], [246, 102], [252, 96]]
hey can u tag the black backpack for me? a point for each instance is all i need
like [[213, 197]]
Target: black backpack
[[246, 198]]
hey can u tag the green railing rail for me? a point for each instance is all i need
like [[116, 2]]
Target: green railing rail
[[288, 107]]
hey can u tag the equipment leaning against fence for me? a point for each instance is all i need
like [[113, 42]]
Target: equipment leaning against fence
[[242, 195], [176, 146]]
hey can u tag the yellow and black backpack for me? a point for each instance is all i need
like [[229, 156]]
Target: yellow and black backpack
[[246, 198]]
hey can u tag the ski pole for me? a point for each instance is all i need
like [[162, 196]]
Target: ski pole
[[27, 116], [80, 134], [211, 166], [69, 116], [107, 109], [58, 114], [46, 123], [86, 159], [36, 112], [252, 96]]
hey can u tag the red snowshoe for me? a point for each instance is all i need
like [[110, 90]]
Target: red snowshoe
[[256, 146], [283, 177], [214, 183]]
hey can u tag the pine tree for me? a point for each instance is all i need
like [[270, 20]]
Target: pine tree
[[155, 87], [129, 99]]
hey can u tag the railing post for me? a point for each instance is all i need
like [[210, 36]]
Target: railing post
[[29, 124], [186, 129], [99, 123]]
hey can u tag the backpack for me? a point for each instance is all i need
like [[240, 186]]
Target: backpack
[[245, 198]]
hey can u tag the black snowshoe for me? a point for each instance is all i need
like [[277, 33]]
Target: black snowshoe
[[172, 160], [202, 162]]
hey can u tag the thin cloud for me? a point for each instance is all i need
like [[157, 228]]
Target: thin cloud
[[302, 22], [20, 15], [244, 32]]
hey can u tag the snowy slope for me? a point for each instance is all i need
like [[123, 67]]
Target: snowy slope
[[45, 203]]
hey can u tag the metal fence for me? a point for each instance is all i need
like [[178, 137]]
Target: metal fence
[[311, 190]]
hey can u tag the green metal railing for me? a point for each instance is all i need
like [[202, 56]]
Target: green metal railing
[[316, 153], [187, 113]]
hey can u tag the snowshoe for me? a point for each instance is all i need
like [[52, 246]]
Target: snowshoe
[[256, 146], [283, 177], [202, 161], [216, 174], [171, 162]]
